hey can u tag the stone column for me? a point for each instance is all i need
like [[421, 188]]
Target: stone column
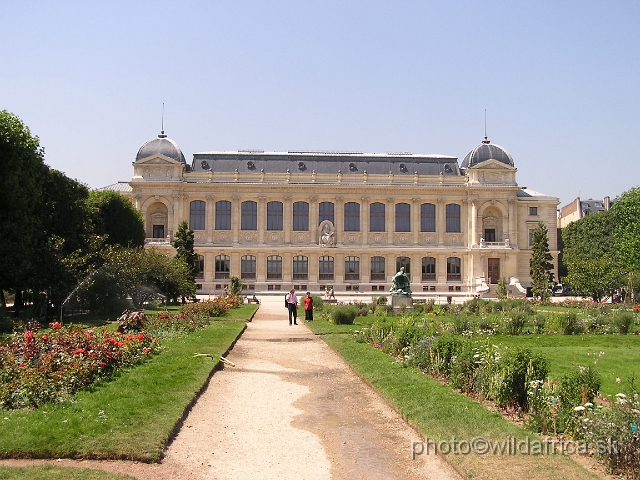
[[287, 219], [236, 219], [262, 219], [474, 218], [441, 226], [513, 230], [209, 222], [389, 219], [415, 220], [339, 218], [313, 219]]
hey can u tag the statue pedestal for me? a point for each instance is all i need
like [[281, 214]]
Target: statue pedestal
[[401, 302]]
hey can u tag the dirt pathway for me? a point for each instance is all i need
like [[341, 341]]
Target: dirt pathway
[[290, 409]]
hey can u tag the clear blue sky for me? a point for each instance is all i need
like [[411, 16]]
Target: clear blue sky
[[559, 80]]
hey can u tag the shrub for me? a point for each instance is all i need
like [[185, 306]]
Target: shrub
[[622, 322], [576, 389], [501, 290], [461, 324], [570, 324], [539, 323], [445, 349], [344, 315], [517, 368], [515, 322], [382, 300]]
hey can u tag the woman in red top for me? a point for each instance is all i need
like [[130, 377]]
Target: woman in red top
[[308, 307]]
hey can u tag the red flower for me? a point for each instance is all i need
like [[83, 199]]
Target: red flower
[[22, 365], [45, 338], [28, 335], [56, 325]]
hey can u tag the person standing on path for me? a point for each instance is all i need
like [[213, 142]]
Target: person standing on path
[[292, 306], [308, 307]]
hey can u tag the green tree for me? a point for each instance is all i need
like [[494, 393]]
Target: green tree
[[116, 217], [22, 171], [183, 243], [590, 256], [541, 268]]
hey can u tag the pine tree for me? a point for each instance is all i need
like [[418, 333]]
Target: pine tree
[[541, 268]]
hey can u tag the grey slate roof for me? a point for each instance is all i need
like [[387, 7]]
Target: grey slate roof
[[163, 146], [486, 151], [120, 187], [348, 163]]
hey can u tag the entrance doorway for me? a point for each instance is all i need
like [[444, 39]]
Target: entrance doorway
[[489, 234], [493, 270]]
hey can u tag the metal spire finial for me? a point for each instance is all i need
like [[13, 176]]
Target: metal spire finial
[[162, 135]]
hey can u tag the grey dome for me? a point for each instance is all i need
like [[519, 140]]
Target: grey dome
[[486, 151], [163, 146]]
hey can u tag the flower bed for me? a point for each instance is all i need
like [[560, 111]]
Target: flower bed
[[43, 366]]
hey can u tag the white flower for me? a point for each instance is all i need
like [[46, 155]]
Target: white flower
[[588, 404], [621, 395], [579, 408], [618, 380]]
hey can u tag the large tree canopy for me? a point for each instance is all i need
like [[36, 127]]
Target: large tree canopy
[[22, 172], [626, 211], [115, 216]]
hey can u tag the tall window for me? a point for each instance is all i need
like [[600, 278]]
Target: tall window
[[403, 217], [223, 215], [222, 266], [196, 215], [300, 217], [427, 217], [351, 217], [453, 217], [200, 264], [300, 268], [403, 262], [376, 217], [377, 268], [325, 268], [274, 267], [453, 269], [428, 269], [351, 268], [248, 267], [249, 215], [274, 216], [325, 212]]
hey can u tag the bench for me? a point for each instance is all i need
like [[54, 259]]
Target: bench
[[253, 300]]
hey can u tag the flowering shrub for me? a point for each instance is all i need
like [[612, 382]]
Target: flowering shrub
[[212, 308], [43, 366]]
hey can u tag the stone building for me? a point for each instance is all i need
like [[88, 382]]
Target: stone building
[[581, 208], [344, 220]]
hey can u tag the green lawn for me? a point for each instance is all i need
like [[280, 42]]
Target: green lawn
[[47, 472], [130, 417]]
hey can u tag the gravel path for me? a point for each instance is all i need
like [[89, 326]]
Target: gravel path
[[290, 409]]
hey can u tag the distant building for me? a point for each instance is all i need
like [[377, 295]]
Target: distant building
[[344, 220], [581, 208]]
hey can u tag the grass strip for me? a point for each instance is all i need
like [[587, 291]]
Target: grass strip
[[47, 472], [442, 414], [133, 416]]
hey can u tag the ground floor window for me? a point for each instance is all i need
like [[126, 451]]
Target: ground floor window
[[325, 268], [223, 263], [300, 268], [454, 269], [274, 267], [352, 268], [248, 267]]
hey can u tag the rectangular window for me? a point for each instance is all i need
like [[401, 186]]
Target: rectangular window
[[222, 266], [325, 268], [300, 217], [531, 230], [223, 215], [403, 262], [249, 216], [274, 267], [403, 217], [352, 268], [376, 217], [274, 216], [325, 212], [351, 217], [200, 273], [300, 268], [533, 211], [197, 215], [248, 267], [453, 217], [427, 217]]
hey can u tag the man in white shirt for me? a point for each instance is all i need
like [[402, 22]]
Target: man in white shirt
[[292, 306]]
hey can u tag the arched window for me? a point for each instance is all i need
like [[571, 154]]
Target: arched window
[[248, 267], [274, 267], [300, 268], [351, 268], [377, 269], [197, 210], [351, 217], [454, 269], [325, 212], [274, 216], [376, 217], [403, 262], [428, 269], [403, 217], [300, 217], [223, 215], [249, 215], [453, 217], [325, 268], [223, 263], [200, 264], [427, 217]]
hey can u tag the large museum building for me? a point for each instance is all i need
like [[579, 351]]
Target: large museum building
[[313, 220]]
